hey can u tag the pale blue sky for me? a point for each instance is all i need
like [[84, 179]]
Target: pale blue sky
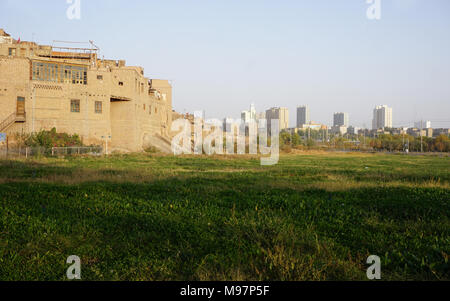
[[223, 55]]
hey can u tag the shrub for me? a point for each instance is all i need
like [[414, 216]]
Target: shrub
[[49, 139]]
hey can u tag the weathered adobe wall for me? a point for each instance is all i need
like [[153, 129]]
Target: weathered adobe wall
[[128, 122]]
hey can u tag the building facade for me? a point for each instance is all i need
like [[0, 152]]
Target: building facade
[[282, 114], [44, 87], [303, 116], [382, 117], [341, 119]]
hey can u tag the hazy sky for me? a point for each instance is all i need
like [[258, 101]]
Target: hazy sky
[[222, 55]]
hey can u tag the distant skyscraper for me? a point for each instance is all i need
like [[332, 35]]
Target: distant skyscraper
[[246, 116], [382, 117], [422, 125], [282, 114], [341, 119], [252, 112], [303, 116], [227, 124]]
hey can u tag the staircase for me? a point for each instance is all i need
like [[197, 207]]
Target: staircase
[[10, 120]]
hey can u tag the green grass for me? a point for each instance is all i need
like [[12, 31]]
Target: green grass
[[153, 217]]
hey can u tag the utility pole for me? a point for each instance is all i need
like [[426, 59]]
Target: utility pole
[[403, 141], [364, 138], [421, 127]]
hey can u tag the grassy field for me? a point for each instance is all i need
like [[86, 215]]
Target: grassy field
[[154, 217]]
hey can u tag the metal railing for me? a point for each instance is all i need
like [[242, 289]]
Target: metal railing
[[7, 122], [49, 152], [64, 151]]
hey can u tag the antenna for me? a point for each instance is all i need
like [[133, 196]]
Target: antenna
[[94, 46]]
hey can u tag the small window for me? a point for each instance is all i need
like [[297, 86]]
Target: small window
[[120, 83], [98, 107], [12, 51], [100, 77], [144, 107], [75, 106]]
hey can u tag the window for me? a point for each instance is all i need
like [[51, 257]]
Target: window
[[98, 107], [100, 77], [79, 75], [120, 83], [59, 73], [75, 106], [12, 51]]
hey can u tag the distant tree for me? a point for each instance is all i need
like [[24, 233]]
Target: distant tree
[[310, 142], [442, 143], [285, 138], [296, 140]]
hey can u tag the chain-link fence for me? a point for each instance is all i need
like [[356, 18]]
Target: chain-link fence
[[70, 151], [26, 152]]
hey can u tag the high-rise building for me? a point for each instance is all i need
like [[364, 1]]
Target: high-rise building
[[341, 119], [252, 111], [248, 116], [422, 125], [282, 114], [303, 116], [228, 124], [245, 116], [382, 117]]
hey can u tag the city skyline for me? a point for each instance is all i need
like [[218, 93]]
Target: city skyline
[[323, 53], [382, 117]]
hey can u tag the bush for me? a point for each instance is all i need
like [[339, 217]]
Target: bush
[[49, 139]]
